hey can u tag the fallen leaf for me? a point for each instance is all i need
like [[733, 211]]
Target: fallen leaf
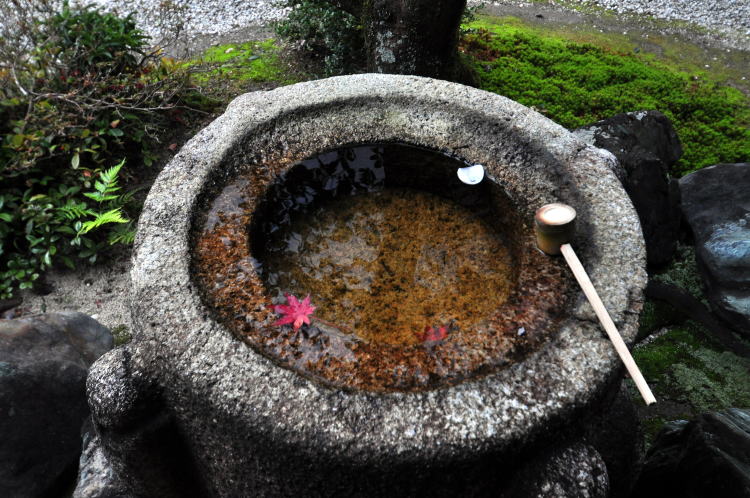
[[433, 334], [294, 311]]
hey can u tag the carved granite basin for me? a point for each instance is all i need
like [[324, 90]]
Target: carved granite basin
[[212, 380]]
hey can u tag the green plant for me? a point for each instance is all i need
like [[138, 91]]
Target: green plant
[[78, 90], [331, 36], [326, 33], [49, 222], [470, 15], [121, 334], [86, 39], [576, 84], [81, 85], [229, 69]]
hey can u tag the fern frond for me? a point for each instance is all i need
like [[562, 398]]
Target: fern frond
[[113, 216], [109, 177], [122, 234], [106, 186], [73, 210], [100, 197]]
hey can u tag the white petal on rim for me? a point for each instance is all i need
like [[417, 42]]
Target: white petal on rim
[[471, 175]]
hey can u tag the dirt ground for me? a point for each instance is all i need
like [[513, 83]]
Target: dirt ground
[[98, 290]]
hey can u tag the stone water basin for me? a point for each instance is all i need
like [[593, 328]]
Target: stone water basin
[[212, 399]]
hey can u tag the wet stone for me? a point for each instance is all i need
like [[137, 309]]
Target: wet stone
[[418, 280]]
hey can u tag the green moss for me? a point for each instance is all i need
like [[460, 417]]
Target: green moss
[[577, 83], [252, 61], [716, 380], [683, 272], [688, 374], [121, 334], [686, 366], [656, 358]]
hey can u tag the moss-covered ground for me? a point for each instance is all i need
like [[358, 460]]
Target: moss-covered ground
[[573, 77], [225, 71], [686, 368], [576, 83], [689, 373]]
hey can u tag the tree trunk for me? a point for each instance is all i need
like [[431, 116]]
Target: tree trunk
[[417, 37]]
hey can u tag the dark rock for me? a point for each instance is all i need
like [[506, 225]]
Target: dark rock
[[716, 204], [96, 477], [693, 308], [616, 434], [572, 471], [646, 145], [705, 458], [44, 360]]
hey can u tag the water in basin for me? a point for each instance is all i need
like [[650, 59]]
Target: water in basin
[[418, 279]]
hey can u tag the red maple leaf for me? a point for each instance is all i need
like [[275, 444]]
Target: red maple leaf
[[432, 334], [294, 312]]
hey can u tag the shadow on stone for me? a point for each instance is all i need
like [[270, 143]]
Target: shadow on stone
[[44, 360], [705, 458], [715, 205]]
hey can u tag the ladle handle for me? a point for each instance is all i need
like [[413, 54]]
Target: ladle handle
[[601, 312]]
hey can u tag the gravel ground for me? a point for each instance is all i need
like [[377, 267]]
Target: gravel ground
[[718, 14], [728, 21], [201, 18], [162, 19]]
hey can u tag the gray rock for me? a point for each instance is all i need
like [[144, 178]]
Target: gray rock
[[96, 477], [705, 458], [564, 472], [44, 360], [646, 146], [188, 400], [716, 204]]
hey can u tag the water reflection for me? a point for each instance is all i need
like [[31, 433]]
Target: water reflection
[[420, 280], [381, 260]]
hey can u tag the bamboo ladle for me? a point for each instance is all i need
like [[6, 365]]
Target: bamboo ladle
[[554, 225]]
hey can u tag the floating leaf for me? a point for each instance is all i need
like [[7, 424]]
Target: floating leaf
[[295, 312], [432, 334]]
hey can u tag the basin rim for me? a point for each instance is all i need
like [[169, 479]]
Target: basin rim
[[185, 346]]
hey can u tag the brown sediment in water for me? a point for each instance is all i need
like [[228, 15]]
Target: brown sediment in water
[[380, 267], [388, 264]]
